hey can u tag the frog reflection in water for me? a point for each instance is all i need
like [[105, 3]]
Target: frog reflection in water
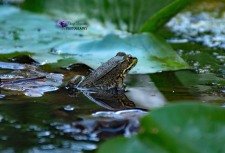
[[105, 79]]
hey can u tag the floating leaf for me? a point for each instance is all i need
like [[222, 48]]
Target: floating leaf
[[180, 128], [47, 43]]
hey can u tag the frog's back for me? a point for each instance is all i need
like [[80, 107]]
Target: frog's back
[[102, 71]]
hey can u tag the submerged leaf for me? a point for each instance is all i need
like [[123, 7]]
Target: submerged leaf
[[30, 80], [180, 128]]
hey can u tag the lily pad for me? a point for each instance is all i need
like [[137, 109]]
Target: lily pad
[[49, 44], [180, 128]]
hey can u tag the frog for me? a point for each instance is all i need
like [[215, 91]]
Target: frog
[[109, 76]]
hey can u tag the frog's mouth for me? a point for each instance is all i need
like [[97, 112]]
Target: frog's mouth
[[131, 65]]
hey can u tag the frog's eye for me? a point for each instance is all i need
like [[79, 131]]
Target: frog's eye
[[120, 54], [128, 57]]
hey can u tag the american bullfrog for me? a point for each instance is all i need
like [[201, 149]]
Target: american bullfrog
[[109, 75]]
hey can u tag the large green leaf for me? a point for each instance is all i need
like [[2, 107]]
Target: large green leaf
[[128, 15], [37, 34], [178, 128]]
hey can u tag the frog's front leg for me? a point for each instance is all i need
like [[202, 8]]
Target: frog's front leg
[[75, 81], [119, 84]]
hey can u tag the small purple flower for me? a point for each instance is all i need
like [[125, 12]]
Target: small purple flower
[[62, 23]]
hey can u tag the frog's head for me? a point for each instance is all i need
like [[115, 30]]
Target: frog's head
[[128, 62]]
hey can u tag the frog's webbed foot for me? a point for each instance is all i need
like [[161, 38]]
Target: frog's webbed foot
[[75, 81], [73, 92]]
